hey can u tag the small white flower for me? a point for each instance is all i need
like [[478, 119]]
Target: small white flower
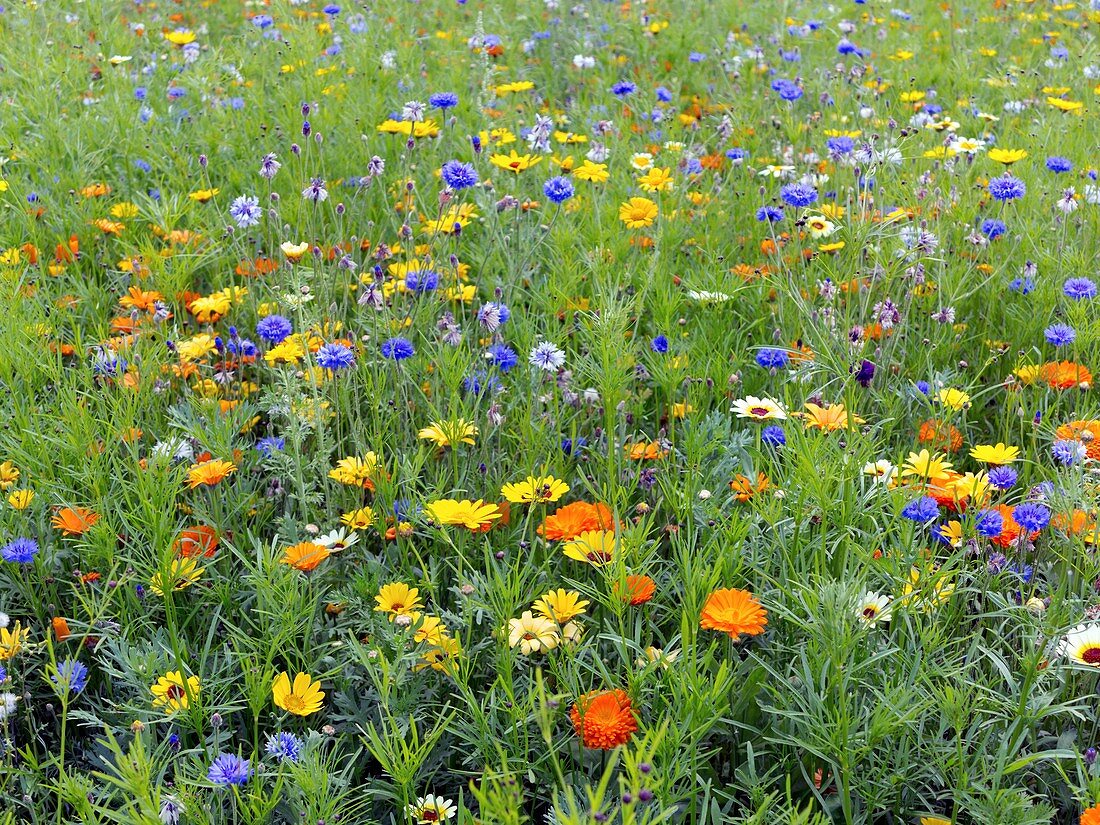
[[546, 357], [4, 620], [7, 705], [873, 608]]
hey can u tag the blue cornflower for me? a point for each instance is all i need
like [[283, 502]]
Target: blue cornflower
[[502, 356], [659, 344], [993, 228], [480, 381], [842, 145], [273, 328], [398, 349], [458, 175], [3, 674], [786, 89], [1059, 165], [923, 387], [72, 675], [1003, 477], [772, 359], [492, 314], [697, 57], [443, 100], [1007, 188], [558, 190], [286, 747], [663, 94], [1067, 452], [798, 194], [989, 523], [773, 436], [771, 214], [1025, 286], [922, 510], [623, 88], [271, 444], [246, 211], [335, 357], [242, 346], [263, 21], [421, 280], [229, 769], [20, 551], [1031, 517], [737, 154], [1060, 335], [143, 165], [573, 446], [1079, 288]]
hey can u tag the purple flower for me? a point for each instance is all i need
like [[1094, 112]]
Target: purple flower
[[558, 190], [1007, 188], [245, 210], [1031, 517], [20, 551], [229, 769], [1079, 288], [269, 166], [1067, 452], [335, 357], [398, 349], [798, 194], [458, 175], [922, 510], [273, 328], [1060, 335]]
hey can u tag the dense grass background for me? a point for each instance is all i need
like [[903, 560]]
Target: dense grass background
[[130, 128]]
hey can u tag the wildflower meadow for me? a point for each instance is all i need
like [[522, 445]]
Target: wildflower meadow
[[549, 411]]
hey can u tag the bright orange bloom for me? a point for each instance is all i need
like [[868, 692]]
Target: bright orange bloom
[[1065, 375], [1091, 816], [200, 540], [736, 612], [828, 419], [60, 628], [603, 719], [305, 556], [73, 521], [209, 473], [638, 590], [940, 435], [1073, 523], [568, 522], [645, 450], [743, 487]]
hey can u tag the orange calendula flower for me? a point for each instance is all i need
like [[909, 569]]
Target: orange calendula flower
[[604, 719], [645, 450], [305, 556], [200, 540], [638, 590], [1085, 431], [1065, 375], [744, 488], [1091, 816], [735, 612], [570, 521], [61, 630], [209, 473], [73, 521], [941, 435]]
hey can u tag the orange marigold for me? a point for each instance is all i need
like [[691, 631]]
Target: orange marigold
[[638, 590], [603, 719], [940, 435], [209, 473], [200, 540], [1091, 816], [744, 489], [1065, 375], [73, 521], [733, 611], [305, 556], [568, 522]]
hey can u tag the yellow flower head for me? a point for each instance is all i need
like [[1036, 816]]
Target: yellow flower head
[[995, 454], [183, 573], [535, 490], [398, 599], [638, 213], [173, 692], [21, 499], [595, 547], [12, 641], [449, 433], [925, 465], [473, 515], [301, 698], [360, 519], [561, 606], [953, 399]]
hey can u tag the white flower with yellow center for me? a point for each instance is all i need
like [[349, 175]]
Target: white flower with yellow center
[[1082, 645], [873, 608]]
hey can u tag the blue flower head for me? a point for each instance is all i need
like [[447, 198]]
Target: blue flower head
[[229, 769], [397, 349], [20, 551], [922, 510], [284, 746]]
